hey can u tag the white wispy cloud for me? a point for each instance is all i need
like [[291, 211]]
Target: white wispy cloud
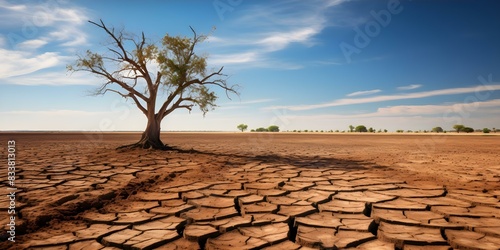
[[61, 112], [235, 58], [410, 87], [54, 79], [256, 101], [383, 98], [15, 63], [243, 104], [402, 111], [459, 108], [326, 62], [272, 27], [280, 40], [32, 44], [55, 21], [42, 34], [366, 92]]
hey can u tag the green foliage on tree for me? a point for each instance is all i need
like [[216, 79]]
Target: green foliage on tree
[[273, 128], [437, 129], [486, 130], [468, 129], [351, 128], [371, 130], [242, 127], [261, 130], [458, 127], [361, 129]]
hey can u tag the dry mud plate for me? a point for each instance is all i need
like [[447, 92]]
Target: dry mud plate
[[255, 191]]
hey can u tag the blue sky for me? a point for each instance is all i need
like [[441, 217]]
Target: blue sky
[[316, 65]]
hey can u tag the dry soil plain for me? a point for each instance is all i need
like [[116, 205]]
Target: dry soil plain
[[254, 191]]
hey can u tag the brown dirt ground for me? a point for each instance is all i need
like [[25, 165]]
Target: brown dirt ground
[[451, 160], [468, 162]]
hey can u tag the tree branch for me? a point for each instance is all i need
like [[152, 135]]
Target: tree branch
[[119, 44], [99, 70], [115, 91], [220, 83], [177, 105], [137, 103]]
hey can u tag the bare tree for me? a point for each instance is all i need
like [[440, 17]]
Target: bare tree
[[138, 69]]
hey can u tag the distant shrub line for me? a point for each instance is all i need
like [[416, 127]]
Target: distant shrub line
[[362, 129]]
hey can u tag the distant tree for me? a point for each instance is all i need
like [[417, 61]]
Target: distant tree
[[361, 128], [468, 129], [306, 130], [437, 129], [337, 131], [253, 130], [458, 127], [385, 130], [486, 130], [242, 127], [371, 130], [273, 128], [140, 70], [400, 131], [262, 130], [351, 128]]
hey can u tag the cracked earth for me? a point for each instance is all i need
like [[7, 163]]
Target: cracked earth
[[255, 191]]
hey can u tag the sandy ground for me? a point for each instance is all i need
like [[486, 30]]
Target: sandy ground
[[254, 191]]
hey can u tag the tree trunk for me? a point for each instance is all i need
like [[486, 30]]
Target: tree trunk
[[150, 137]]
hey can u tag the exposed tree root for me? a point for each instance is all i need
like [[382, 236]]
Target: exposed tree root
[[140, 145]]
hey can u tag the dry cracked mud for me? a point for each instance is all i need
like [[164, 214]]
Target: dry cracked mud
[[79, 193]]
